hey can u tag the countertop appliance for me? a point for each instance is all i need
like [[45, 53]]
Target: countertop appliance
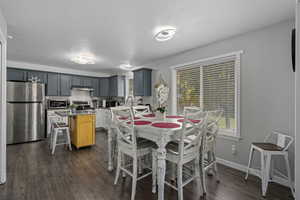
[[57, 104], [83, 105], [25, 112]]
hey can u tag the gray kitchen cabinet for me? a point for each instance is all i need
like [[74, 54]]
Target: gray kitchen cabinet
[[53, 84], [117, 86], [87, 82], [65, 85], [142, 82], [104, 87], [95, 86], [42, 76], [77, 81], [113, 86], [16, 74]]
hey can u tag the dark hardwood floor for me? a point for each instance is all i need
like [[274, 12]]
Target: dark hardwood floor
[[33, 174]]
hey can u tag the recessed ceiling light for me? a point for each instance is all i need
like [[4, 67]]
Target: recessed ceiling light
[[165, 33], [10, 37], [126, 67], [84, 59]]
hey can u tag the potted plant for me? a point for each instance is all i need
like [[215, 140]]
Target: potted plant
[[160, 112], [73, 107]]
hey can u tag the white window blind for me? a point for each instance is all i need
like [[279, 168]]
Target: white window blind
[[212, 87], [188, 88]]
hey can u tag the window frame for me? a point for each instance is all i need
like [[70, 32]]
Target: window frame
[[224, 133]]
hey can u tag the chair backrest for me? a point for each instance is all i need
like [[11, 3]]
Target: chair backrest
[[212, 121], [282, 140], [55, 120], [193, 131], [122, 118], [140, 110]]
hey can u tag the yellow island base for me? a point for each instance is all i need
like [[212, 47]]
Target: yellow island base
[[83, 130]]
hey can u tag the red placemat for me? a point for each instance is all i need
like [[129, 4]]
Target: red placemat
[[191, 120], [149, 115], [140, 122], [124, 118], [174, 116], [165, 125]]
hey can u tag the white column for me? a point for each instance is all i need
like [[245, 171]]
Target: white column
[[2, 100], [297, 88]]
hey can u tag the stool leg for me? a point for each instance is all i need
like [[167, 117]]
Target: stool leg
[[54, 141], [267, 170], [69, 139], [288, 169], [263, 174], [249, 162]]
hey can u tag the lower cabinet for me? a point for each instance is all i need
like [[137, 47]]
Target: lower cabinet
[[83, 130]]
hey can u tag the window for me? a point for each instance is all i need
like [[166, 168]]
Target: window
[[212, 85]]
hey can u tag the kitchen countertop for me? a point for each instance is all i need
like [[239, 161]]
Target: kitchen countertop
[[70, 114]]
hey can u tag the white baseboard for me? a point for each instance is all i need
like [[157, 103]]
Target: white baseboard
[[255, 172]]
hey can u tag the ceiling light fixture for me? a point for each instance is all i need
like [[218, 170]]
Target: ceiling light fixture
[[165, 33], [10, 37], [126, 67], [84, 59]]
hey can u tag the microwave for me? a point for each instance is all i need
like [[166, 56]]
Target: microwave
[[57, 104]]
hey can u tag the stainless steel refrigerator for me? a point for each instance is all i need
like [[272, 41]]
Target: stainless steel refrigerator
[[25, 112]]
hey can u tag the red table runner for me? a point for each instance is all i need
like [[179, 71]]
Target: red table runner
[[191, 120], [165, 125], [140, 122], [174, 116]]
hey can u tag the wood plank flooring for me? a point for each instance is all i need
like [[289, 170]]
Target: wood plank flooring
[[33, 174]]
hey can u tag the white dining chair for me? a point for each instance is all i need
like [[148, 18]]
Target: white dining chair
[[186, 150], [129, 145], [268, 150], [141, 110], [211, 141], [59, 134]]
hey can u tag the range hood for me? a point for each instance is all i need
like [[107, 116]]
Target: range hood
[[82, 88]]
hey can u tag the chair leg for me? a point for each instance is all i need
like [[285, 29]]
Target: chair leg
[[249, 162], [263, 174], [54, 141], [140, 165], [202, 174], [154, 172], [119, 161], [288, 169], [179, 182], [134, 178], [69, 139], [215, 167]]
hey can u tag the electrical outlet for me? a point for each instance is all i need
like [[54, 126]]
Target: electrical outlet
[[233, 149]]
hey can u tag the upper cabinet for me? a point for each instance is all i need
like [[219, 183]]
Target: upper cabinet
[[117, 86], [104, 87], [95, 86], [77, 81], [65, 85], [16, 74], [53, 84], [41, 76], [57, 84], [142, 82]]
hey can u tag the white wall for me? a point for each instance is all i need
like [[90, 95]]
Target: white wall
[[297, 157], [3, 36], [267, 84]]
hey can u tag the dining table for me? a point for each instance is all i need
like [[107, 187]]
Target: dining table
[[160, 131]]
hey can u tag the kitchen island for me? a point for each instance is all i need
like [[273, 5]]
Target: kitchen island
[[82, 127]]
